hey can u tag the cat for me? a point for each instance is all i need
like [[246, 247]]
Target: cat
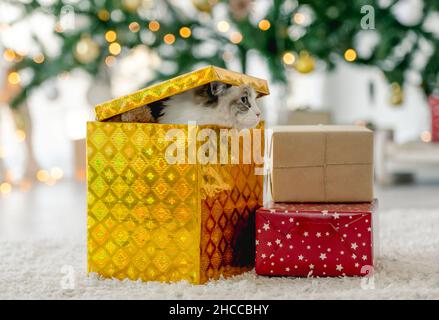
[[215, 103]]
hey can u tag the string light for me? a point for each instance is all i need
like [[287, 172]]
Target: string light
[[110, 61], [43, 175], [39, 58], [21, 135], [25, 185], [103, 15], [14, 78], [426, 136], [264, 25], [288, 58], [169, 38], [2, 153], [236, 37], [227, 56], [114, 48], [58, 27], [299, 18], [134, 27], [56, 173], [350, 55], [154, 26], [223, 26], [9, 55], [5, 188], [185, 32], [110, 36]]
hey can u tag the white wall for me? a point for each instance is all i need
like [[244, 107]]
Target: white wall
[[345, 92]]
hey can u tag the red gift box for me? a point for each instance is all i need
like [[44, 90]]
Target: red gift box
[[434, 104], [314, 239]]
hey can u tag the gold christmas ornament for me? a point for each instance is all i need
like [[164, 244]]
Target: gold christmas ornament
[[305, 63], [132, 5], [397, 94], [204, 5], [240, 9], [86, 50]]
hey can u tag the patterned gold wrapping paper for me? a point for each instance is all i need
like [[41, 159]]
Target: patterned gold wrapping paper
[[177, 85], [151, 220]]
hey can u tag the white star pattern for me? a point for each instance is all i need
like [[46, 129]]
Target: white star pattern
[[339, 251]]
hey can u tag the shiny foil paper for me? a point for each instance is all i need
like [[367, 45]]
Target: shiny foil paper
[[151, 220]]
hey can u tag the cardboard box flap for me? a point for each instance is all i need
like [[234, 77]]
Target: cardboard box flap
[[312, 146], [175, 86]]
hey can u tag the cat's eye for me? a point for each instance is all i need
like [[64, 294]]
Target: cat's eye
[[244, 100]]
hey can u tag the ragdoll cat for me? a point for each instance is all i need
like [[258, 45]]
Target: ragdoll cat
[[214, 103]]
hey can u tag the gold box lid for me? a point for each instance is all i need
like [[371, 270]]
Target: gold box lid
[[175, 86]]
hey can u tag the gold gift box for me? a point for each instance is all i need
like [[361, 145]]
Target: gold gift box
[[152, 220]]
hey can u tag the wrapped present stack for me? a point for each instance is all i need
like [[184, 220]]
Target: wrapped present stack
[[149, 219], [319, 220]]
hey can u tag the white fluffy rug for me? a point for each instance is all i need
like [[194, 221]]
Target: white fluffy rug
[[408, 268]]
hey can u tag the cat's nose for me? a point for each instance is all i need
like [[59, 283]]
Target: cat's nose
[[258, 114]]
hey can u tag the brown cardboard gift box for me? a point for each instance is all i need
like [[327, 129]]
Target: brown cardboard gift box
[[321, 164]]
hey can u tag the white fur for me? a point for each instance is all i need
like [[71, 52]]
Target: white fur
[[182, 108]]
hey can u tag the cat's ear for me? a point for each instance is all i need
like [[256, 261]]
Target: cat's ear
[[217, 88]]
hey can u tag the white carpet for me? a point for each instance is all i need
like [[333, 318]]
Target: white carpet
[[408, 268]]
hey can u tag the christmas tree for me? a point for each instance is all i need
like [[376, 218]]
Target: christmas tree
[[293, 34]]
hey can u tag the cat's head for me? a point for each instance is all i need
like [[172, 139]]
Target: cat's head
[[236, 103]]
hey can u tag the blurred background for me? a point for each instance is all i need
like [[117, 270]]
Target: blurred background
[[370, 63]]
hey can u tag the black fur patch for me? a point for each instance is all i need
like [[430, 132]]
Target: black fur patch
[[205, 96], [157, 108]]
